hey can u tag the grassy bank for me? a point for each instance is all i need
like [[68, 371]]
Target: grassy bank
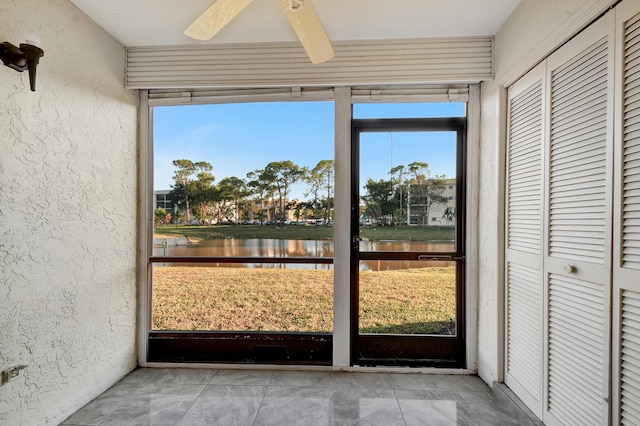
[[402, 233], [203, 298]]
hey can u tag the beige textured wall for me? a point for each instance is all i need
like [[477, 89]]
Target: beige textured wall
[[67, 215]]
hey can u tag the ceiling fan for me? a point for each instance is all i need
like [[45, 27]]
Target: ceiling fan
[[301, 14]]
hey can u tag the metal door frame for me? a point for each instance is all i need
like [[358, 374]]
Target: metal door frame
[[410, 350]]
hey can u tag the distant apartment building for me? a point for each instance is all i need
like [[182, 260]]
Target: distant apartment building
[[419, 212], [161, 200], [269, 209]]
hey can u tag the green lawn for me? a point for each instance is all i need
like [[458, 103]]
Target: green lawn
[[226, 298], [207, 298], [402, 233]]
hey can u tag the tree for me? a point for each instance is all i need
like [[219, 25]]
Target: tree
[[298, 208], [321, 177], [449, 214], [425, 190], [159, 216], [181, 177], [176, 217], [248, 209], [202, 190], [379, 198], [221, 202], [262, 185], [196, 193], [234, 189], [398, 179], [283, 174]]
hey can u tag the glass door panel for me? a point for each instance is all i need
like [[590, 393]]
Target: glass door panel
[[407, 297], [408, 191], [408, 242]]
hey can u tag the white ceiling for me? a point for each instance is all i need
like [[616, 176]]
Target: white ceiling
[[162, 22]]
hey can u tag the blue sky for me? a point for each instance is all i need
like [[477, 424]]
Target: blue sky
[[238, 138]]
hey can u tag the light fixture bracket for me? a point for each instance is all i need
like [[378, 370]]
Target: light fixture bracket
[[24, 57], [295, 5]]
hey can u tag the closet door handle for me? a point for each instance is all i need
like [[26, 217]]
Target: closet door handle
[[569, 269]]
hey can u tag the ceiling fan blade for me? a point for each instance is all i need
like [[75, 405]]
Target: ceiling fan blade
[[215, 18], [309, 29]]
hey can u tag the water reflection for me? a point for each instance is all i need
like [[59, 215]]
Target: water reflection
[[276, 248], [402, 246]]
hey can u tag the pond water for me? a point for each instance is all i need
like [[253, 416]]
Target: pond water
[[265, 247]]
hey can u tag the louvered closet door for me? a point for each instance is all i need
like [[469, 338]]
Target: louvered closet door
[[626, 256], [577, 263], [523, 278]]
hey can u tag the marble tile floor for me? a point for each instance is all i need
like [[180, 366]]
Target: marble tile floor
[[178, 396]]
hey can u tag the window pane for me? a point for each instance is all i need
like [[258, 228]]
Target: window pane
[[249, 180], [240, 298], [244, 164], [320, 244], [407, 297]]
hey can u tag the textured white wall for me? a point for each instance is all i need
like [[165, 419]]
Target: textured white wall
[[489, 232], [536, 28], [531, 33], [67, 215]]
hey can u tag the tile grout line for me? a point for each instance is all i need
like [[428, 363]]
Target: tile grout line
[[399, 407], [198, 396], [262, 400]]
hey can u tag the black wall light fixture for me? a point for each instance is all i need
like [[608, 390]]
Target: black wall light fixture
[[25, 57]]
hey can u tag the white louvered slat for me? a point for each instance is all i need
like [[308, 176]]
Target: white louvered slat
[[631, 149], [627, 252], [523, 240], [463, 59], [630, 359], [577, 212], [576, 350], [578, 157], [524, 201], [524, 344]]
